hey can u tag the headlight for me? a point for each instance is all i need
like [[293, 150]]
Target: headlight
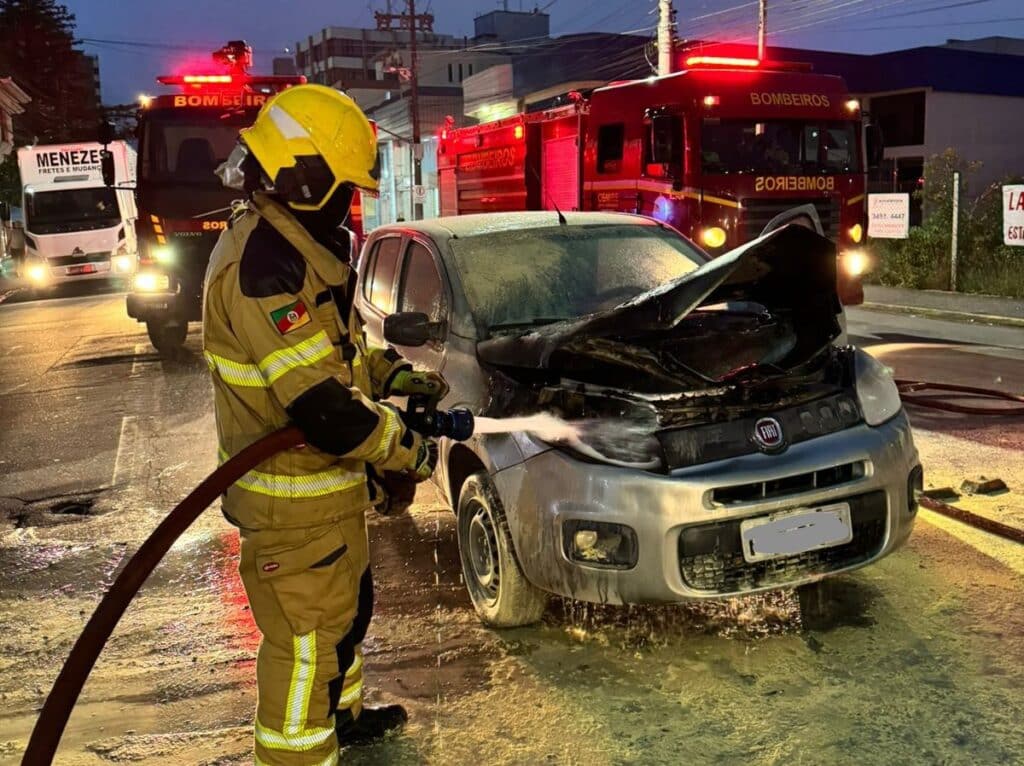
[[856, 233], [150, 282], [164, 254], [713, 236], [876, 390], [854, 262], [122, 264], [37, 273], [615, 441]]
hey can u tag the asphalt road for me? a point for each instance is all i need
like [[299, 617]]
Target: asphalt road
[[920, 659]]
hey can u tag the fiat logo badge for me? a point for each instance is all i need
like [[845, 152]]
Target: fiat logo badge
[[768, 434]]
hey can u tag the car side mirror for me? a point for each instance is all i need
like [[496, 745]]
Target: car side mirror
[[412, 328], [107, 168]]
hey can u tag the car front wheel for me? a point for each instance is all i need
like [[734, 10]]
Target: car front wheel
[[166, 337], [501, 594]]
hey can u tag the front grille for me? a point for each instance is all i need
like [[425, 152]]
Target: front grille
[[758, 212], [711, 557], [694, 445], [789, 485], [76, 260]]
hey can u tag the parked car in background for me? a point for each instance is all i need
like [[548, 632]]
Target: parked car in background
[[720, 442]]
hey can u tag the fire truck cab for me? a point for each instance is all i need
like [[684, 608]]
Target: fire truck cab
[[716, 150]]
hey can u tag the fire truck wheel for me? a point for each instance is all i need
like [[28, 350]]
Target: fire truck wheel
[[500, 592], [166, 337]]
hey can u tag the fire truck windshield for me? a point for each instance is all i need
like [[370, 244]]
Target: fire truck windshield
[[785, 147], [64, 210], [185, 146]]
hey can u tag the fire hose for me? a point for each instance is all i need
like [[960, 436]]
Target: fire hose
[[911, 393], [457, 424]]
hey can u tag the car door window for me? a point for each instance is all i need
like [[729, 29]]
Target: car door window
[[421, 288], [382, 279]]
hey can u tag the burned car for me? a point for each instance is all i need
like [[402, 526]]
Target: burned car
[[677, 427]]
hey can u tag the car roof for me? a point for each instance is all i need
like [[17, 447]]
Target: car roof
[[458, 226]]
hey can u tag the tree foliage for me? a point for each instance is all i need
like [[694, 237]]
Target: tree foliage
[[37, 50]]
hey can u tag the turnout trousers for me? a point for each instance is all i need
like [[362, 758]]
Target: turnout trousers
[[311, 594]]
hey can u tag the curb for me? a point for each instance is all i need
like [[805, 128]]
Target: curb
[[955, 316], [969, 304]]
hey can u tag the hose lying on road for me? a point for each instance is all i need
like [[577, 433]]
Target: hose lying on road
[[42, 745], [974, 520], [910, 393]]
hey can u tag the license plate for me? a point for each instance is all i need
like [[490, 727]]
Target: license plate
[[791, 532], [88, 268]]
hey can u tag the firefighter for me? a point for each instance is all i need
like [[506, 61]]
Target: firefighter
[[284, 345]]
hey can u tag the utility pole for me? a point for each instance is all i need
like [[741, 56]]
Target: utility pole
[[665, 46], [414, 106], [762, 28], [414, 23]]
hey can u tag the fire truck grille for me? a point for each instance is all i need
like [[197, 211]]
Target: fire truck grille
[[711, 557], [757, 213]]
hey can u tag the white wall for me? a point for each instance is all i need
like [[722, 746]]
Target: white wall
[[986, 129]]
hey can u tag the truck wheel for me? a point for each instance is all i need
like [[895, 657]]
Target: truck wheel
[[166, 337], [501, 594]]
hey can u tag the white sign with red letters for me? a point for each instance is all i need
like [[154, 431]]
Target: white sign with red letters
[[888, 216], [1013, 215]]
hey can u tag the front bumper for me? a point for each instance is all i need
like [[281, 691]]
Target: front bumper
[[687, 525], [65, 275], [164, 306]]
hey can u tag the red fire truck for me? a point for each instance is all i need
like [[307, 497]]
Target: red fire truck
[[717, 150], [183, 206]]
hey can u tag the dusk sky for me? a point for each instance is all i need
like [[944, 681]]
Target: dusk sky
[[143, 38]]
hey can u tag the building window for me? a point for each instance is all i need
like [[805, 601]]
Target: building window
[[460, 71], [469, 70], [901, 118], [609, 147], [451, 76]]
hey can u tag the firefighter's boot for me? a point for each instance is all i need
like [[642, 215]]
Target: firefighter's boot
[[372, 724]]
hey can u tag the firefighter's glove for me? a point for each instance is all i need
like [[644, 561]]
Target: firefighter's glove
[[428, 384], [425, 461]]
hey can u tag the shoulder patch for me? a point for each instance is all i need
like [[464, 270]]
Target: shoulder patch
[[270, 265]]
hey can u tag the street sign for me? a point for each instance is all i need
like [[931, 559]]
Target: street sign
[[1013, 215], [888, 216], [419, 193]]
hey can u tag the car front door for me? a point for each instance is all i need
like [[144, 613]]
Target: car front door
[[421, 288]]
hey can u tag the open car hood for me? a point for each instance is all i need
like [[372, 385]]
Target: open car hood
[[789, 273]]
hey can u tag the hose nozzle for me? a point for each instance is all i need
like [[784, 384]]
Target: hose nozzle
[[456, 424]]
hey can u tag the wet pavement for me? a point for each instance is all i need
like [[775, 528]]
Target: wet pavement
[[918, 659]]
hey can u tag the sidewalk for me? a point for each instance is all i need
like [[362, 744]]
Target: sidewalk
[[988, 308]]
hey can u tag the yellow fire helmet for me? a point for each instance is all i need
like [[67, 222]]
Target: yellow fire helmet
[[309, 140]]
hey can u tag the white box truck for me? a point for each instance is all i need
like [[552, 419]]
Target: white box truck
[[76, 227]]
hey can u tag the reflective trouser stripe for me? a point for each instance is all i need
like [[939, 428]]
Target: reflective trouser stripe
[[235, 373], [306, 485], [301, 688], [352, 687], [308, 739], [304, 354], [331, 760]]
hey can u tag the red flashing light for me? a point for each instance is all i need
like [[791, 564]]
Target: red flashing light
[[710, 101], [721, 61], [197, 79]]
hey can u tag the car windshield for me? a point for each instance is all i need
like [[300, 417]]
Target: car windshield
[[49, 212], [536, 276], [783, 146], [185, 147]]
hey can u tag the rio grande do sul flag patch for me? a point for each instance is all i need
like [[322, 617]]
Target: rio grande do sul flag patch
[[290, 317]]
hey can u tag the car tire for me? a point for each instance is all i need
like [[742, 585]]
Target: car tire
[[500, 592], [167, 338]]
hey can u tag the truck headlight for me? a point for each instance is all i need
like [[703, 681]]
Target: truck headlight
[[151, 282], [714, 237], [163, 254], [876, 390], [37, 274], [122, 264], [854, 262]]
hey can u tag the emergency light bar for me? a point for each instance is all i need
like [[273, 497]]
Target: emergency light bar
[[227, 79], [735, 62]]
